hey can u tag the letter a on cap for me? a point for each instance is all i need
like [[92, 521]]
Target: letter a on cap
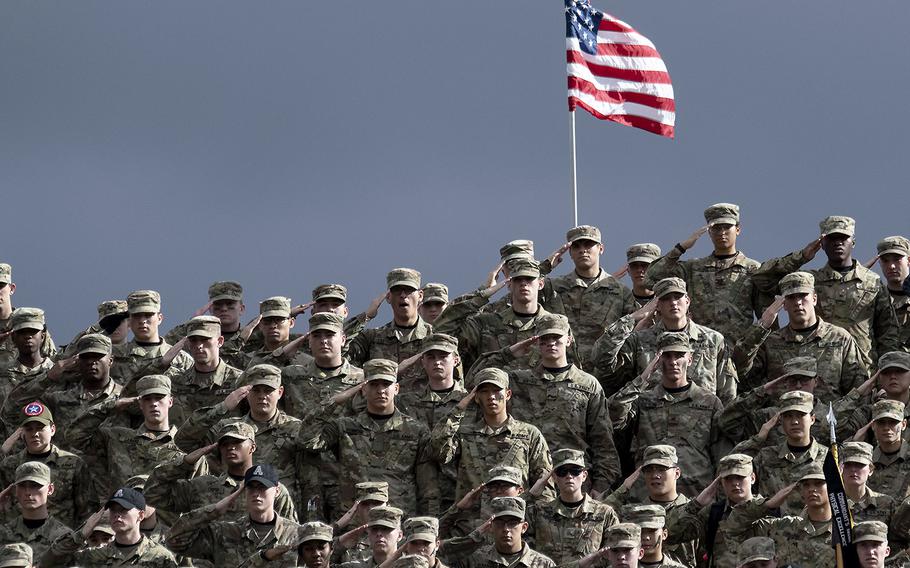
[[119, 493], [258, 470]]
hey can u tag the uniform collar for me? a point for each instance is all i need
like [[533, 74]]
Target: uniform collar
[[143, 432], [420, 330], [393, 423]]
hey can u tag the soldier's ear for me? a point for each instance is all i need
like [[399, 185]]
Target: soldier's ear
[[220, 340], [291, 322], [50, 489], [524, 527]]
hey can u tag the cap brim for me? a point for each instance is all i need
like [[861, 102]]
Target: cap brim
[[276, 314], [122, 502], [673, 290], [552, 331], [515, 255], [232, 436], [503, 479], [103, 528], [741, 471], [652, 524], [440, 347], [896, 366], [45, 421], [858, 459], [894, 251], [326, 326], [144, 309], [838, 232], [429, 537], [384, 523], [330, 297], [525, 273], [36, 325], [513, 514], [800, 372], [813, 477], [569, 462], [624, 544], [723, 220], [98, 350], [796, 407], [383, 377], [493, 382], [203, 333], [586, 238], [798, 290], [889, 415], [408, 283], [268, 383], [756, 558], [155, 390], [870, 537], [314, 537], [265, 481], [677, 349], [665, 463], [375, 497], [34, 479], [648, 259], [432, 299], [220, 297]]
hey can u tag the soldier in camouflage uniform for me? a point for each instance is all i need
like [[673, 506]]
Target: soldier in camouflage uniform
[[761, 352], [871, 540], [756, 549], [7, 350], [891, 456], [670, 409], [894, 260], [780, 464], [493, 438], [354, 545], [421, 538], [226, 305], [68, 399], [28, 330], [132, 358], [653, 522], [400, 338], [573, 524], [378, 444], [203, 534], [128, 548], [152, 526], [329, 299], [33, 524], [18, 555], [849, 294], [275, 323], [474, 508], [435, 299], [276, 432], [113, 322], [723, 296], [893, 378], [591, 298], [74, 497], [567, 404], [121, 452], [622, 547], [314, 549], [384, 533], [638, 259], [628, 345]]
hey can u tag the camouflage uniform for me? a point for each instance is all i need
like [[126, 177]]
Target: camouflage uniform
[[39, 539], [723, 296], [622, 353], [646, 253], [900, 300], [395, 450], [459, 523], [70, 550], [106, 309], [308, 532], [892, 473], [12, 371], [307, 386], [652, 517], [855, 300], [8, 352]]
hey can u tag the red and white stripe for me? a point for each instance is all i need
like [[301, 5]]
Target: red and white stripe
[[626, 82]]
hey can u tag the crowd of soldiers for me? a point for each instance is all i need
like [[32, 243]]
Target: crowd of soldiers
[[576, 421]]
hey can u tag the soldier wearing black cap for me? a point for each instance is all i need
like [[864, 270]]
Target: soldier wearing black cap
[[127, 509], [203, 534]]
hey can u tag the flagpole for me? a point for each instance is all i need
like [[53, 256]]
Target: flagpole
[[573, 170]]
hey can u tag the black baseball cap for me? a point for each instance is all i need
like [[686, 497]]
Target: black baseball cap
[[263, 473], [128, 498]]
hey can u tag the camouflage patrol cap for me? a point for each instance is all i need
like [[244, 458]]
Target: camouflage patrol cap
[[137, 482], [895, 359], [837, 224], [439, 342], [674, 341], [94, 343], [508, 507], [875, 531], [755, 549], [380, 370], [493, 376], [16, 555], [645, 516], [859, 452], [329, 321], [411, 561], [885, 408], [238, 431], [421, 528], [128, 498], [315, 530], [27, 318], [204, 326], [805, 366], [372, 491], [143, 302], [894, 245], [385, 516], [584, 232], [225, 290], [669, 286], [263, 473], [565, 456], [642, 252], [6, 273], [800, 401], [660, 455], [812, 472], [36, 472], [721, 213], [524, 267], [35, 411], [112, 308], [505, 473], [623, 535], [552, 324], [330, 292], [262, 374], [797, 283], [735, 464], [403, 277], [435, 292], [516, 249], [275, 307], [153, 384]]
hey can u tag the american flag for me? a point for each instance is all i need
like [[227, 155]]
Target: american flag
[[615, 73]]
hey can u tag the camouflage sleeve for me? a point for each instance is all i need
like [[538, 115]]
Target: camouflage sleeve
[[257, 560], [457, 320], [752, 518], [899, 526], [460, 549], [64, 550], [284, 504], [359, 347], [768, 275], [749, 358], [750, 447], [321, 433], [352, 328], [196, 430], [687, 523], [169, 486], [667, 266], [617, 498], [720, 444], [444, 438], [196, 533], [737, 421], [539, 461], [426, 475], [727, 378], [886, 330], [22, 394], [853, 371], [605, 468], [85, 433], [624, 405], [613, 354], [858, 411], [176, 333], [85, 501]]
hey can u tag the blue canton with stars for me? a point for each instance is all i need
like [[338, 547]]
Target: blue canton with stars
[[582, 22]]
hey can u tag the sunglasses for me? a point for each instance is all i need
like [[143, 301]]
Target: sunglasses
[[573, 471]]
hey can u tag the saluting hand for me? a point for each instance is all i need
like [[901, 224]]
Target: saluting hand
[[11, 442], [62, 366], [693, 238], [524, 346], [376, 303], [470, 498], [232, 400], [556, 258], [203, 310], [623, 270], [767, 427], [467, 399], [769, 316], [92, 522], [350, 538], [197, 454], [248, 329], [810, 249]]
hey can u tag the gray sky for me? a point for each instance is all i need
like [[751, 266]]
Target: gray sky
[[284, 144]]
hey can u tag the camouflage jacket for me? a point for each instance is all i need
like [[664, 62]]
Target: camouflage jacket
[[307, 387], [39, 539], [683, 551], [395, 450], [892, 472], [856, 301], [776, 467], [193, 390], [390, 342], [475, 448], [622, 353], [15, 373], [875, 506], [9, 353], [901, 303], [133, 361], [488, 557], [202, 533], [231, 350], [686, 420], [690, 523], [74, 497], [70, 550], [591, 308], [723, 296], [565, 534], [760, 356]]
